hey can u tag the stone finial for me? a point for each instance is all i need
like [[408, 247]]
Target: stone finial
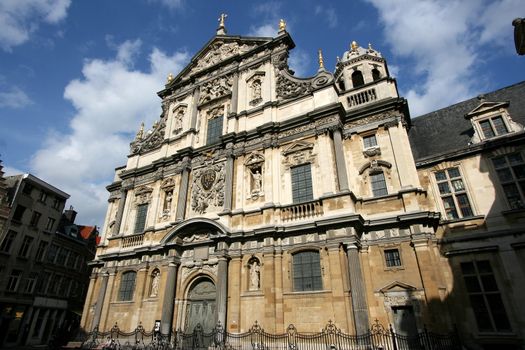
[[170, 78], [222, 29], [140, 133], [354, 46], [282, 26], [321, 60]]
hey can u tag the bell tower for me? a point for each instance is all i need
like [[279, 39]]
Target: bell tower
[[364, 70]]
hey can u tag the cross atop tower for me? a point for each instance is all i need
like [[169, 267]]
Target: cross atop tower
[[222, 29]]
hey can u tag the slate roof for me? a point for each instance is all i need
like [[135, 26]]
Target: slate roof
[[446, 130]]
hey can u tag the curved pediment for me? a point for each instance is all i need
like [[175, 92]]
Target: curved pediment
[[195, 230]]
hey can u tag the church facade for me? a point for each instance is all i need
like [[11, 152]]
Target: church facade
[[261, 196]]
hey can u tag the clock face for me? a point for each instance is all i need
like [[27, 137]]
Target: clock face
[[519, 35]]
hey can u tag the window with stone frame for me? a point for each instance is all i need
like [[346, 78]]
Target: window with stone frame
[[35, 218], [41, 251], [19, 212], [140, 220], [485, 297], [301, 183], [214, 130], [30, 283], [13, 281], [25, 247], [392, 257], [127, 286], [50, 224], [378, 183], [369, 141], [493, 126], [8, 241], [307, 271], [510, 170], [453, 194]]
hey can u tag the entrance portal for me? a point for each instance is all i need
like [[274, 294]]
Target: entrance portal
[[201, 306]]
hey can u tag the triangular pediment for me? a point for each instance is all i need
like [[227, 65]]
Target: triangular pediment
[[397, 286], [297, 147], [219, 49], [486, 107]]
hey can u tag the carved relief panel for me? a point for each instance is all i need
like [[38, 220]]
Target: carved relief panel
[[207, 189]]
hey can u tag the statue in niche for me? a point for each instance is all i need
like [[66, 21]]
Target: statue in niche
[[178, 122], [256, 181], [255, 271], [155, 280], [256, 92], [167, 201]]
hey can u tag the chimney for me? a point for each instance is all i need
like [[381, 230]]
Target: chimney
[[70, 214]]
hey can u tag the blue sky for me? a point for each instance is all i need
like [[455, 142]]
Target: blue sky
[[78, 77]]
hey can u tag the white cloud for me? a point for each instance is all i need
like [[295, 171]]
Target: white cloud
[[171, 4], [14, 98], [266, 29], [111, 99], [299, 62], [442, 41], [19, 18], [10, 171], [328, 13]]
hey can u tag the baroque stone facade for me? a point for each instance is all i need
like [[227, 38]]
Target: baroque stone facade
[[261, 196]]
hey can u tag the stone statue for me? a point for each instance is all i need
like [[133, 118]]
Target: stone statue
[[256, 181], [155, 284], [256, 89], [178, 122], [167, 201], [255, 271]]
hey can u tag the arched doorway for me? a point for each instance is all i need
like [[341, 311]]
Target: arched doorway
[[201, 307]]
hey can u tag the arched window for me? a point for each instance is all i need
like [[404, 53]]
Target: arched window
[[341, 84], [357, 79], [376, 75], [127, 286], [377, 180], [307, 271]]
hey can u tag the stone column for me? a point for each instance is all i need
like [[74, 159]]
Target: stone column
[[194, 109], [340, 164], [32, 328], [183, 192], [222, 290], [357, 290], [168, 302], [228, 186], [45, 319], [235, 93], [100, 300], [120, 211]]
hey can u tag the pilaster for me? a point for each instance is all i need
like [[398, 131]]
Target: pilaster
[[100, 300], [342, 177], [168, 302], [234, 288], [120, 211], [183, 192], [222, 290], [357, 290]]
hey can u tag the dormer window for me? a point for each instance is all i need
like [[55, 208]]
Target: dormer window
[[494, 126], [490, 120]]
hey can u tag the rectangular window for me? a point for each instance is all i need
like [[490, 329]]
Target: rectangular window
[[302, 183], [43, 196], [50, 224], [52, 253], [30, 283], [71, 259], [453, 194], [28, 188], [42, 282], [8, 241], [369, 141], [19, 212], [14, 279], [127, 286], [25, 247], [378, 184], [511, 174], [484, 296], [35, 218], [62, 256], [140, 221], [307, 271], [56, 203], [494, 126], [392, 257], [41, 251], [214, 130]]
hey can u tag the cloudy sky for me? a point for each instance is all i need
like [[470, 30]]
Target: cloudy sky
[[78, 77]]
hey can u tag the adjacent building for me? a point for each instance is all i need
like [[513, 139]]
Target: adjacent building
[[261, 196], [43, 263]]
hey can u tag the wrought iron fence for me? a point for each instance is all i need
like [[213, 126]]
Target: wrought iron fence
[[330, 338]]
